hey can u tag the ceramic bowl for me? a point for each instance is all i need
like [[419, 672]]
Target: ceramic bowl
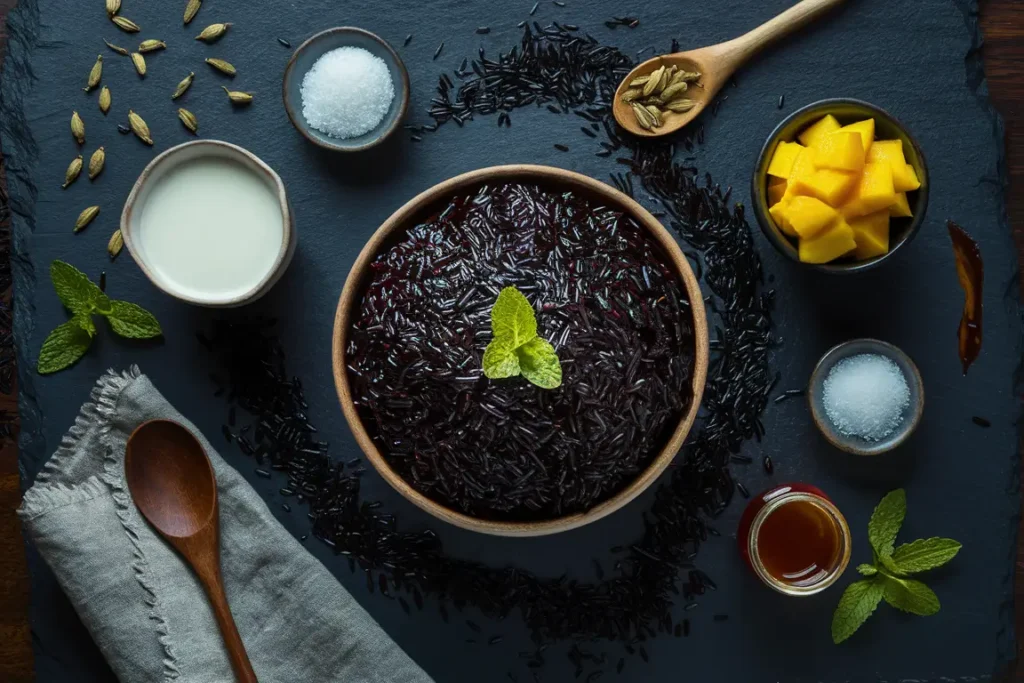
[[911, 415], [314, 48], [887, 127], [131, 216], [419, 208]]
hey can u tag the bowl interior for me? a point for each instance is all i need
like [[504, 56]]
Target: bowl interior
[[306, 56], [846, 111], [430, 202], [911, 414]]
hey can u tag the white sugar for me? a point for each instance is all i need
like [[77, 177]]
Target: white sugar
[[865, 396], [347, 92]]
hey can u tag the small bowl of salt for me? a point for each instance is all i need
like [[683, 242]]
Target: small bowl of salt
[[346, 89], [866, 396]]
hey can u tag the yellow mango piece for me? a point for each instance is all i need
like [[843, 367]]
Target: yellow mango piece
[[866, 128], [803, 170], [871, 233], [779, 215], [904, 178], [909, 181], [817, 131], [809, 216], [829, 245], [776, 190], [873, 193], [840, 151], [782, 161], [901, 207], [831, 187]]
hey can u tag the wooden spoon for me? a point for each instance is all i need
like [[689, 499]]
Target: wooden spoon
[[171, 480], [715, 64]]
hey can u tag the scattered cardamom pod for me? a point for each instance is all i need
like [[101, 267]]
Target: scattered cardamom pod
[[151, 45], [222, 66], [126, 25], [78, 127], [643, 117], [680, 106], [655, 114], [189, 119], [139, 127], [631, 94], [96, 162], [213, 32], [140, 63], [86, 217], [671, 91], [113, 7], [105, 99], [74, 168], [238, 97], [192, 9], [116, 48], [183, 86], [95, 74], [654, 81], [115, 244]]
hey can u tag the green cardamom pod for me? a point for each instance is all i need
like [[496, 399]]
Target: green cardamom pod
[[140, 63], [105, 99], [183, 86], [213, 32], [151, 45], [115, 244], [139, 127], [189, 120], [74, 168], [222, 66], [95, 74], [238, 97], [113, 7], [192, 9], [86, 217], [126, 25], [96, 162], [78, 127], [116, 48]]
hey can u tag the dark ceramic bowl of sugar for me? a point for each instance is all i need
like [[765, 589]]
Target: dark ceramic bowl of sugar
[[909, 414], [307, 55]]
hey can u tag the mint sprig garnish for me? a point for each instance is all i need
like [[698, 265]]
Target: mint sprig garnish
[[516, 349], [887, 575], [66, 345]]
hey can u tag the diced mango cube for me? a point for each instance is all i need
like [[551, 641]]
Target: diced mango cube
[[891, 151], [829, 245], [909, 181], [871, 233], [901, 207], [809, 216], [776, 190], [840, 151], [817, 131], [873, 193], [778, 214], [782, 161], [866, 128], [831, 187], [803, 170]]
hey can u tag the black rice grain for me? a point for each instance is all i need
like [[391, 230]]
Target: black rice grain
[[284, 42], [437, 52], [981, 422], [408, 39]]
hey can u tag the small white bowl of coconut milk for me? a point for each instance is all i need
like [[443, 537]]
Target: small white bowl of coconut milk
[[209, 223]]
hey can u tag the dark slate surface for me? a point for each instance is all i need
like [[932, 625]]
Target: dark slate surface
[[914, 58]]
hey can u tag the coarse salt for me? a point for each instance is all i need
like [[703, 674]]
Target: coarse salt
[[865, 396], [347, 92]]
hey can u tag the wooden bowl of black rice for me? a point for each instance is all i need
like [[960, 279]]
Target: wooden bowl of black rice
[[612, 292]]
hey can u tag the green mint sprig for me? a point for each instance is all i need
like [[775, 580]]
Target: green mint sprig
[[516, 349], [66, 345], [888, 574]]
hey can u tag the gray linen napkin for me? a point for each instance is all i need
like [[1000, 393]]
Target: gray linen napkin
[[141, 603]]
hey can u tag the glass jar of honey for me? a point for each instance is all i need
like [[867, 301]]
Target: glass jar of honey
[[795, 539]]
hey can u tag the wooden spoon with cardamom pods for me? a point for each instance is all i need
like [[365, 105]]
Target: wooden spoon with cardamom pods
[[665, 93]]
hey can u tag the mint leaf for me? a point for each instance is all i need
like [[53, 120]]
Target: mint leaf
[[84, 320], [62, 348], [539, 363], [500, 359], [890, 566], [911, 596], [886, 521], [74, 288], [867, 569], [924, 554], [132, 321], [512, 318], [857, 604]]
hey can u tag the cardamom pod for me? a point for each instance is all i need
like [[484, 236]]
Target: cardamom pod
[[126, 25], [96, 162], [213, 32], [643, 117], [86, 217], [691, 76], [671, 91], [654, 81], [95, 74], [189, 119], [115, 244], [681, 105], [238, 97], [183, 86], [655, 114], [637, 82], [677, 77], [78, 127], [116, 48], [139, 127], [113, 7], [664, 79], [105, 99], [74, 168], [140, 63], [222, 66], [151, 45], [631, 94], [192, 9]]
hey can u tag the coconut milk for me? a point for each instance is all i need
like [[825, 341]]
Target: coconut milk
[[211, 229]]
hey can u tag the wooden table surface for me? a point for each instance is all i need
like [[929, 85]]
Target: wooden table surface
[[1003, 24]]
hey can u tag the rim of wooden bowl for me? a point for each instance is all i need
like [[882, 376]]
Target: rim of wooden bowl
[[543, 175]]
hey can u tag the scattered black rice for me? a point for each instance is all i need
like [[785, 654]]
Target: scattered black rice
[[534, 8], [483, 30], [123, 129], [743, 490], [782, 101], [629, 22], [558, 3], [788, 394], [103, 280], [263, 473], [416, 138], [561, 148], [981, 422], [284, 42], [494, 640], [437, 52], [768, 466], [408, 39]]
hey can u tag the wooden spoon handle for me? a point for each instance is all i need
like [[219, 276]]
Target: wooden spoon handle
[[737, 51], [232, 641]]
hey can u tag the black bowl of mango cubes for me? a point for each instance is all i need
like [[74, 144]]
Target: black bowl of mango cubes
[[840, 186]]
